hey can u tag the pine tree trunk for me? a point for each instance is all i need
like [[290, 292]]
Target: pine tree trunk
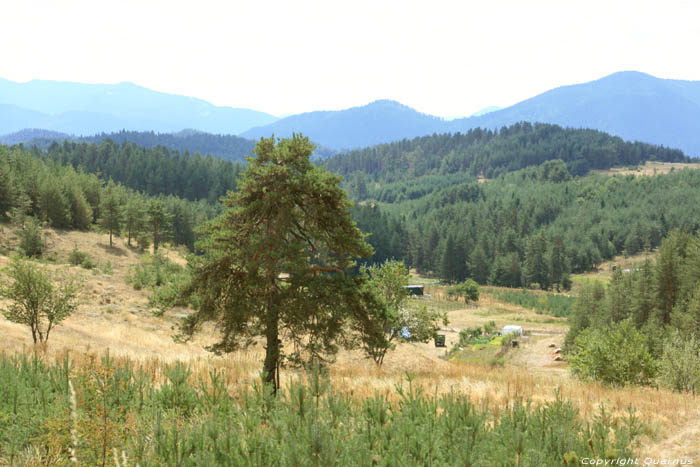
[[272, 349]]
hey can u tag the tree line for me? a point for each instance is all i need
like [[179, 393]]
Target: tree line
[[643, 324], [34, 190], [530, 227], [154, 171], [490, 153]]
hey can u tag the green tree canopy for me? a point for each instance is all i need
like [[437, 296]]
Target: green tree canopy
[[391, 317], [277, 260], [468, 290]]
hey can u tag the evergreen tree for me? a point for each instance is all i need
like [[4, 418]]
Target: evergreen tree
[[7, 190], [134, 217], [80, 210], [54, 204], [278, 259], [668, 269], [451, 264], [111, 211], [535, 268], [557, 260], [643, 299], [159, 221], [479, 264]]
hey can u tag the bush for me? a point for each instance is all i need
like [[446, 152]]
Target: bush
[[165, 278], [680, 364], [468, 290], [82, 259], [615, 355]]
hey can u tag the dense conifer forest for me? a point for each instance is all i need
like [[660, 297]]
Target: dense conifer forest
[[533, 224], [492, 153], [39, 188]]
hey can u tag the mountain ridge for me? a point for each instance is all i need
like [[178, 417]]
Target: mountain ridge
[[632, 105], [65, 106]]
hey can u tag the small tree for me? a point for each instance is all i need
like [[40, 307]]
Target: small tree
[[30, 243], [134, 217], [468, 290], [158, 221], [391, 317], [37, 301], [111, 211]]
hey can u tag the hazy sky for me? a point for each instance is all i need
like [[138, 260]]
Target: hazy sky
[[446, 58]]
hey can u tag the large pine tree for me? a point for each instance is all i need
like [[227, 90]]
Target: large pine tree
[[278, 259]]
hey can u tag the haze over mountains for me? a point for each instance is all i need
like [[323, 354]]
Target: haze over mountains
[[632, 105], [88, 109]]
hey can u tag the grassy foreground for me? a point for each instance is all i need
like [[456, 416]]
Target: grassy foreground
[[109, 413]]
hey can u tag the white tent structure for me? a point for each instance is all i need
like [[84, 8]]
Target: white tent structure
[[512, 329]]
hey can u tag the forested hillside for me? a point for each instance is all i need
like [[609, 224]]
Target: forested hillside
[[33, 191], [648, 317], [227, 147], [421, 202], [154, 171], [491, 153]]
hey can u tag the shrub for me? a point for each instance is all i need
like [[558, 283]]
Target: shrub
[[616, 355], [489, 327], [165, 278], [80, 258], [680, 364], [468, 290]]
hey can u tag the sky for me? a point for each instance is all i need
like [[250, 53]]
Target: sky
[[445, 58]]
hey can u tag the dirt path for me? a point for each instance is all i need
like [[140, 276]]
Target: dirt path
[[684, 443]]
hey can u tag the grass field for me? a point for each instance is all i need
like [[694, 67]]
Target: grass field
[[115, 317]]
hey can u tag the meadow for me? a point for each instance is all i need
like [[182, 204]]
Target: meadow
[[112, 387]]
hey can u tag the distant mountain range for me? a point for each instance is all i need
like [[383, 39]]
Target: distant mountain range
[[632, 105], [88, 109], [378, 122]]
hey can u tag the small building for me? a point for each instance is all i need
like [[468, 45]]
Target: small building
[[416, 290], [512, 329]]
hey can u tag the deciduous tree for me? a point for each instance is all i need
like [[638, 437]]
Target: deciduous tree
[[36, 300]]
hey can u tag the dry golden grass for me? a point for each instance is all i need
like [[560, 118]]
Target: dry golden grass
[[115, 317], [604, 271], [650, 168]]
